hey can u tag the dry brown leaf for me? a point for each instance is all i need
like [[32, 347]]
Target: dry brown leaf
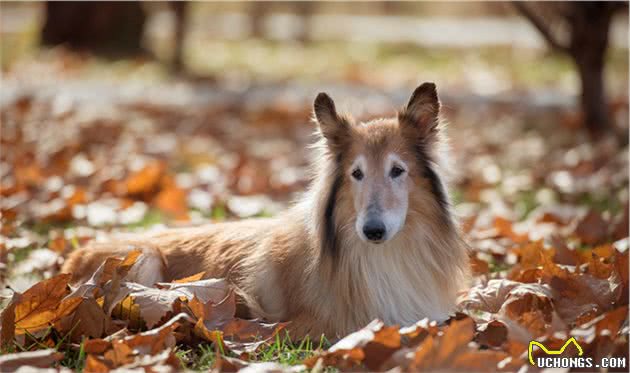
[[492, 334], [478, 266], [439, 353], [528, 304], [127, 310], [215, 315], [534, 255], [228, 364], [58, 245], [152, 304], [493, 296], [620, 230], [35, 359], [152, 348], [592, 229], [242, 336], [145, 180], [563, 253], [217, 323], [94, 364], [209, 290], [112, 268], [386, 341], [8, 321], [484, 361], [371, 346], [173, 201], [596, 265], [621, 262], [416, 333], [192, 278], [96, 346], [155, 304], [113, 291], [43, 304], [576, 294], [608, 323], [504, 229], [88, 320]]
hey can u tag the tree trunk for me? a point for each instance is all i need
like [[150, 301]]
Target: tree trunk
[[590, 22], [258, 13], [304, 10], [103, 27], [179, 8], [593, 97]]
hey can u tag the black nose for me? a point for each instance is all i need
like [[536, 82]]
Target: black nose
[[374, 230]]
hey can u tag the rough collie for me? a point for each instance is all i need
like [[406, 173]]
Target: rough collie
[[373, 237]]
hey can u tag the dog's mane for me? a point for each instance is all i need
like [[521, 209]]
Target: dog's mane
[[438, 189], [321, 196]]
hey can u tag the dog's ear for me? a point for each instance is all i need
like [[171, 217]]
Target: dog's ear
[[422, 111], [333, 127]]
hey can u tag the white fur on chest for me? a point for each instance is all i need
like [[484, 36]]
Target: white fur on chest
[[401, 284]]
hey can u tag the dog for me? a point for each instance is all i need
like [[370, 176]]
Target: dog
[[372, 237]]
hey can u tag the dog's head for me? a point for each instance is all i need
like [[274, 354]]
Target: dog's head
[[384, 168]]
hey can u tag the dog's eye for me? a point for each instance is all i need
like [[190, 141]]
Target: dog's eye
[[396, 171], [357, 174]]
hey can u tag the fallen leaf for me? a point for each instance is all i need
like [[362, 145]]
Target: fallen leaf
[[504, 229], [492, 334], [87, 320], [146, 180], [94, 364], [592, 229], [173, 201], [156, 303], [7, 318], [36, 359], [493, 296], [372, 346], [43, 304], [112, 268], [439, 353], [192, 278], [152, 348]]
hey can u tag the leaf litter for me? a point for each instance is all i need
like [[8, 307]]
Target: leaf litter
[[546, 218]]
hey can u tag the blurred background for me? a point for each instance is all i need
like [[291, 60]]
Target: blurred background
[[127, 115]]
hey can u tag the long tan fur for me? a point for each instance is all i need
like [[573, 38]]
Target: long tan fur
[[287, 268]]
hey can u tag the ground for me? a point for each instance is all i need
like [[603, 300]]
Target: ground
[[92, 148]]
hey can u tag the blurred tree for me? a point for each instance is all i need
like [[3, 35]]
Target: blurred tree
[[259, 10], [579, 29], [179, 8], [104, 27], [304, 10], [391, 7]]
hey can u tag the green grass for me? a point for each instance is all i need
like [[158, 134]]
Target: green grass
[[22, 253], [219, 212], [601, 203], [201, 357], [496, 267], [281, 350], [152, 217]]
